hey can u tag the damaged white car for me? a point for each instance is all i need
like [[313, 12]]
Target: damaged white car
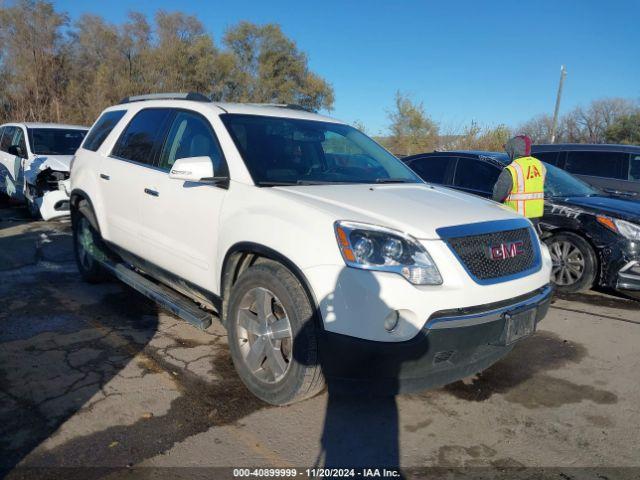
[[35, 162]]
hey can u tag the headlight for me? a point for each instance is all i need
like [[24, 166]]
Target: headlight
[[370, 247], [628, 230]]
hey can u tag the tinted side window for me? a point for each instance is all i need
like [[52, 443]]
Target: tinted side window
[[432, 169], [551, 158], [102, 129], [19, 140], [634, 168], [7, 138], [475, 175], [139, 140], [191, 135], [597, 164]]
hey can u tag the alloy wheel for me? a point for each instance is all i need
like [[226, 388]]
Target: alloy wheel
[[568, 263], [264, 335]]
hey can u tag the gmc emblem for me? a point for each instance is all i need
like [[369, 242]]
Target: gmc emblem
[[506, 250]]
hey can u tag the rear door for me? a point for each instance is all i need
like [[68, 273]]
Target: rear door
[[607, 171], [434, 169], [179, 220], [125, 172], [475, 176]]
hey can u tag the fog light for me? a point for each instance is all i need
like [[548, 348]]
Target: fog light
[[391, 322]]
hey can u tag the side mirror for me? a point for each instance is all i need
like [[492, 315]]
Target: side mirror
[[16, 150], [192, 169]]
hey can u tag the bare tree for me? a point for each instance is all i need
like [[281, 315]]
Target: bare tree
[[539, 129], [589, 125]]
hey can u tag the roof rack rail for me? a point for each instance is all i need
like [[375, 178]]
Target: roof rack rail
[[290, 106], [196, 97]]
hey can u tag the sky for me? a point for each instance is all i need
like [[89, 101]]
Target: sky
[[493, 62]]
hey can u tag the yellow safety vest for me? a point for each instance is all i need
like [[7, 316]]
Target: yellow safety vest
[[527, 194]]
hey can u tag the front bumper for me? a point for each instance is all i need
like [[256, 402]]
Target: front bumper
[[54, 203], [454, 344], [628, 277], [620, 265]]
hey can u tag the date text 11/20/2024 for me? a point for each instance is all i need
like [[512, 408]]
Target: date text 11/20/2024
[[316, 472]]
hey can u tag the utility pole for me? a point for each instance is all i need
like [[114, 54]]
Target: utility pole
[[563, 74]]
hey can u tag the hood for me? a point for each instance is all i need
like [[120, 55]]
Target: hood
[[417, 209], [57, 163], [615, 207]]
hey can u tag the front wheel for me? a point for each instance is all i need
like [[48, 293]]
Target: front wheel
[[574, 262], [272, 335]]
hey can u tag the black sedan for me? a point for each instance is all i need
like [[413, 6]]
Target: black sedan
[[593, 237]]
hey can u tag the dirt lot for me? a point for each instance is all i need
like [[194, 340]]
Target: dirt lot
[[98, 376]]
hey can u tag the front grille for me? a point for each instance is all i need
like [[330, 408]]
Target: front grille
[[476, 254]]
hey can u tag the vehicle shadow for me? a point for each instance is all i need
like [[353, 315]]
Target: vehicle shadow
[[61, 343], [361, 424]]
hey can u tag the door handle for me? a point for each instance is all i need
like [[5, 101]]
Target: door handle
[[105, 177], [153, 193]]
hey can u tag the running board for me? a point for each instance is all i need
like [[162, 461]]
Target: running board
[[175, 302]]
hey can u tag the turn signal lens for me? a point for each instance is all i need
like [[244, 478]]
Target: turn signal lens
[[345, 245], [607, 222]]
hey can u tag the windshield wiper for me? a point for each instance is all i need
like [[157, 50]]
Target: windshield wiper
[[392, 180], [276, 184]]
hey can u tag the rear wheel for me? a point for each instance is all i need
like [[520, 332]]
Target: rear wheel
[[272, 335], [574, 262], [88, 248]]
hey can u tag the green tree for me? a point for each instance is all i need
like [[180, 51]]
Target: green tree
[[268, 67], [625, 129], [53, 71], [411, 130]]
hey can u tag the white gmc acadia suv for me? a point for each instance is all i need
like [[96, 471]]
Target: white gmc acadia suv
[[324, 256]]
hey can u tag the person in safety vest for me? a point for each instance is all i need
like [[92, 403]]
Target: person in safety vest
[[521, 184]]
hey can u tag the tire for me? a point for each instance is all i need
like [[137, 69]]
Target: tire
[[87, 246], [574, 262], [273, 337]]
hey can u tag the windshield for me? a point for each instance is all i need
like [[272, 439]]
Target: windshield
[[285, 151], [559, 183], [55, 141]]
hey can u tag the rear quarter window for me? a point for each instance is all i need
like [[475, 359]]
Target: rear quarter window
[[597, 164], [101, 130]]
